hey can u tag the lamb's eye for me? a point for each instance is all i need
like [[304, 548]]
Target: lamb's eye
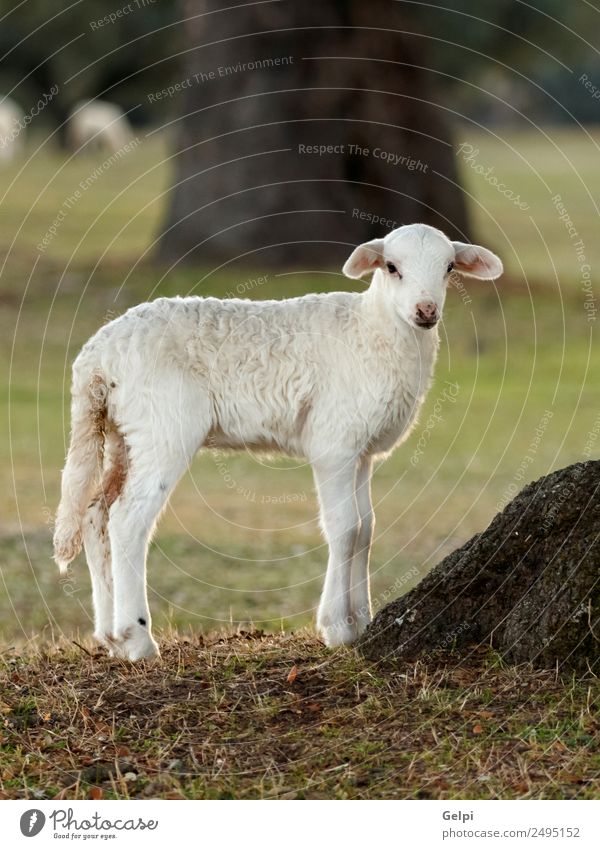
[[391, 267], [450, 268]]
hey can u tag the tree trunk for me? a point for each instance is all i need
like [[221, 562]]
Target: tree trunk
[[304, 129], [529, 585]]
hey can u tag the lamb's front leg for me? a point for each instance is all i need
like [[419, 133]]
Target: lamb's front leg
[[360, 593], [340, 520]]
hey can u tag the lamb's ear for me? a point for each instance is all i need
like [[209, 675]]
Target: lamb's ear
[[477, 261], [364, 258]]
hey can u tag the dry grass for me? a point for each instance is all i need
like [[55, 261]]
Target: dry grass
[[250, 715]]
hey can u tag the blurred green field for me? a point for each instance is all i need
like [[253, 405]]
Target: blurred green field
[[240, 542]]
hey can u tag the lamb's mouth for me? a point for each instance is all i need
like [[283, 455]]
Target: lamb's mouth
[[427, 325]]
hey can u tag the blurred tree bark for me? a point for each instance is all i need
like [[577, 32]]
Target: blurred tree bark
[[300, 124], [529, 585]]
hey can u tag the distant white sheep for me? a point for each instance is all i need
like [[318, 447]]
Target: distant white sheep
[[98, 124], [336, 378], [12, 129]]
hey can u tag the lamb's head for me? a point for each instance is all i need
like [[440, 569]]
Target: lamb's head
[[412, 266]]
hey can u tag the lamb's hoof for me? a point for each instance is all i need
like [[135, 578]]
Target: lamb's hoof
[[339, 634], [133, 643], [362, 623], [103, 638]]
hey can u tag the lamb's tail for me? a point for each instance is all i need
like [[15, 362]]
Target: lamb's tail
[[83, 468]]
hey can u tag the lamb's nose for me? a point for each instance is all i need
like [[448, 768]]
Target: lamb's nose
[[427, 313]]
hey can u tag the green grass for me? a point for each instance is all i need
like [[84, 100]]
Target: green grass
[[537, 166], [228, 551], [114, 216]]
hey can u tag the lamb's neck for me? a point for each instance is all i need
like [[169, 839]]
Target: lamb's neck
[[388, 328]]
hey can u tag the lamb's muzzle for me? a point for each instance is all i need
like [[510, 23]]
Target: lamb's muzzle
[[427, 314]]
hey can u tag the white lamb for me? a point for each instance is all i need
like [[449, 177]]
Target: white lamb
[[336, 378], [98, 124], [12, 129]]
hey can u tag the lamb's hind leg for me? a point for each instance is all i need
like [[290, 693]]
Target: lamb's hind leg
[[360, 593], [95, 535], [97, 553], [158, 454]]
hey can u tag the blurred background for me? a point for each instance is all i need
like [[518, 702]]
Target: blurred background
[[159, 148]]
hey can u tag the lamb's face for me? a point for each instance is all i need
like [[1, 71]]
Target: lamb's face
[[417, 262], [412, 267]]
